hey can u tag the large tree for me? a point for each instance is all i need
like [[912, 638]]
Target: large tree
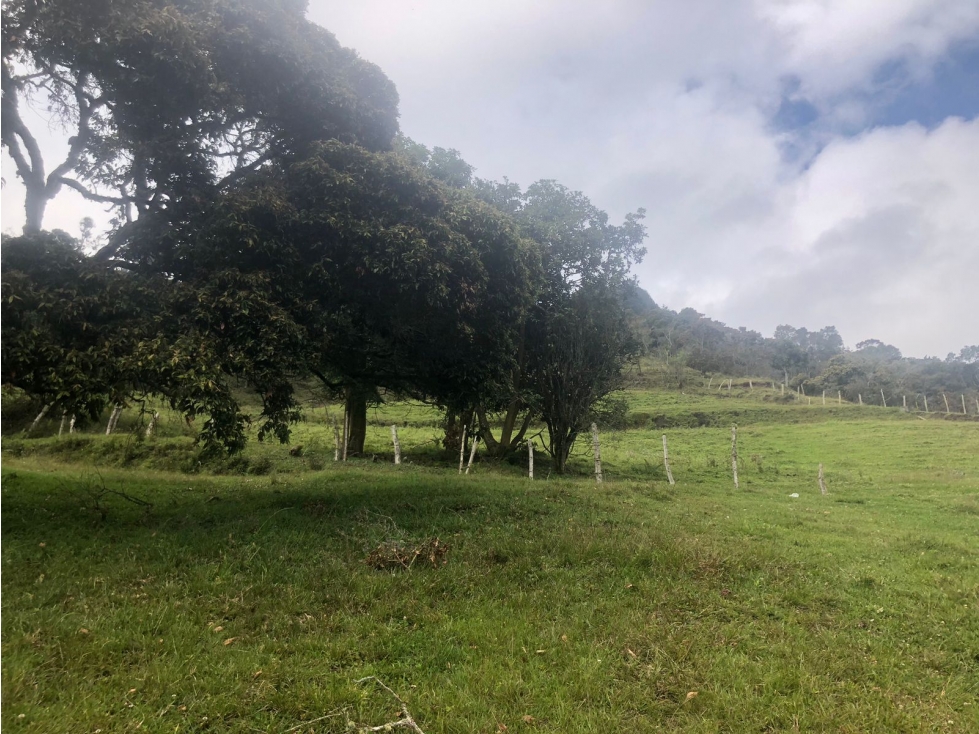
[[166, 102], [243, 148], [581, 250], [379, 276]]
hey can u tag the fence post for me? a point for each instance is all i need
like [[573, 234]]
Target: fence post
[[964, 411], [462, 449], [824, 397], [472, 454], [64, 417], [839, 397], [336, 441], [530, 455], [346, 433], [947, 411], [734, 453], [598, 453], [397, 445], [71, 425], [822, 484], [152, 424], [666, 462], [882, 398], [860, 398], [926, 401]]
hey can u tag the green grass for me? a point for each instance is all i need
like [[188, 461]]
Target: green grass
[[590, 608]]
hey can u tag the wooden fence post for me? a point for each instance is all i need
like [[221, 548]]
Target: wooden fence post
[[152, 424], [710, 382], [860, 398], [729, 384], [530, 457], [926, 401], [839, 397], [964, 411], [346, 434], [40, 416], [111, 425], [64, 417], [750, 386], [472, 454], [666, 462], [397, 445], [71, 425], [882, 398], [822, 483], [947, 411], [904, 403], [336, 441], [824, 397], [734, 453], [462, 449], [598, 453]]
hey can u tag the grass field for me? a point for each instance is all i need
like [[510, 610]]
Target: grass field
[[241, 601]]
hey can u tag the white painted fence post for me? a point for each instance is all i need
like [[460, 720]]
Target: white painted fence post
[[346, 432], [945, 397], [530, 457], [666, 462], [462, 449], [472, 454], [882, 398], [598, 453], [822, 483], [61, 427], [734, 454], [152, 424], [71, 425], [44, 412], [113, 417], [336, 441], [926, 401], [397, 445]]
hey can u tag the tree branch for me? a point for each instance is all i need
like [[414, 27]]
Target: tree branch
[[92, 196]]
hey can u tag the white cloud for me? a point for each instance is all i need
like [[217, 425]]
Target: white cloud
[[884, 232], [834, 45]]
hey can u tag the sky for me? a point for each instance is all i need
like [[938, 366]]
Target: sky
[[809, 162]]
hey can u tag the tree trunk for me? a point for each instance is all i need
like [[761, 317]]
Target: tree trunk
[[356, 404], [35, 201]]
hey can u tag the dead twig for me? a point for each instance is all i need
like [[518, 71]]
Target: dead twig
[[406, 721], [313, 721]]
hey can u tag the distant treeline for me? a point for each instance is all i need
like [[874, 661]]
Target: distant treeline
[[815, 360]]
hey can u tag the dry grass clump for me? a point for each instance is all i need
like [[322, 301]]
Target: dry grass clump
[[395, 554]]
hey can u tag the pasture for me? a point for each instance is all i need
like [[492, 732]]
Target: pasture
[[252, 594]]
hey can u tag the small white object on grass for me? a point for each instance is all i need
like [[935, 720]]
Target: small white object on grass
[[794, 494]]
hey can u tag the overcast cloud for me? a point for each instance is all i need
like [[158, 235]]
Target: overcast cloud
[[809, 162]]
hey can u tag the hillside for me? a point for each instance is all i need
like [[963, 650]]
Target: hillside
[[251, 601]]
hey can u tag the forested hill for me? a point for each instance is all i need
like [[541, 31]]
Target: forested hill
[[815, 360]]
